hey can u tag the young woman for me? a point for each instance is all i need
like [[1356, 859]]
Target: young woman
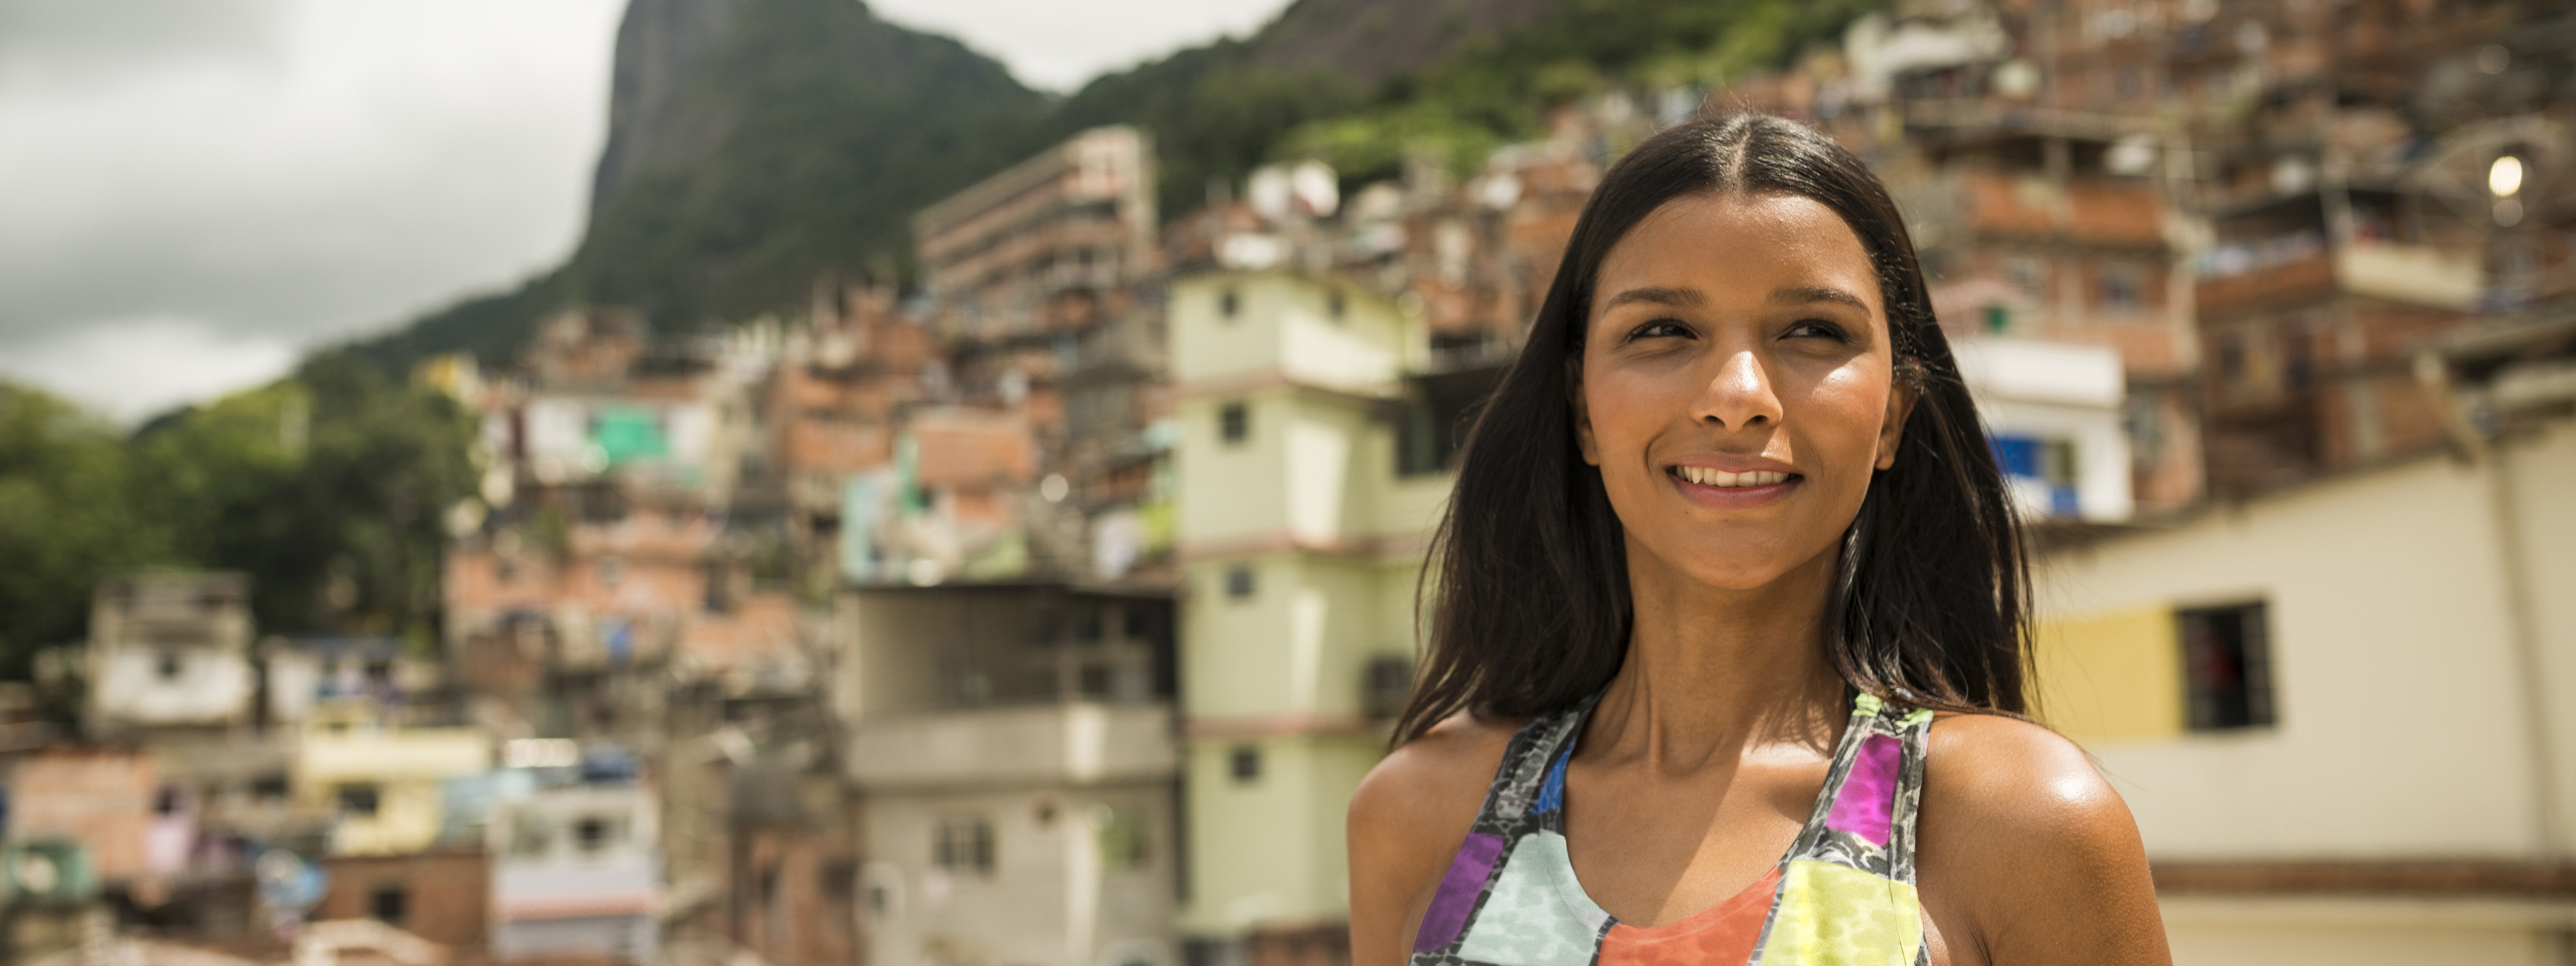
[[1727, 649]]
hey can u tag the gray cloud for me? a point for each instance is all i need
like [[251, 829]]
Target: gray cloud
[[80, 42]]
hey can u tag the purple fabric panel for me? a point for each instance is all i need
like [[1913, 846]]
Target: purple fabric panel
[[1868, 796], [1458, 891]]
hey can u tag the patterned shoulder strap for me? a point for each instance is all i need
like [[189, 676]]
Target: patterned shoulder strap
[[1864, 819], [1512, 805]]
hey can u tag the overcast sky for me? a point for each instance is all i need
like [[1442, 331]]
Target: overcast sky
[[192, 192]]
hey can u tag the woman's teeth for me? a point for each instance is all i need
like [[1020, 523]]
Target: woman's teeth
[[1709, 477]]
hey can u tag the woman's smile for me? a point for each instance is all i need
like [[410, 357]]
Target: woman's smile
[[1733, 483]]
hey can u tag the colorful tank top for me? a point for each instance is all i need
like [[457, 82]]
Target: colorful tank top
[[1844, 894]]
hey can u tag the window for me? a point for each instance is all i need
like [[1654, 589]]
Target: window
[[1998, 317], [1095, 681], [1234, 422], [269, 788], [358, 799], [2118, 287], [1228, 303], [2227, 667], [2028, 274], [594, 833], [1385, 685], [169, 666], [1337, 305], [1239, 583], [840, 878], [1244, 763], [2043, 467], [386, 904], [963, 843]]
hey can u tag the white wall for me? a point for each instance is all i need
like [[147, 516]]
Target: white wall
[[2398, 688], [1050, 899]]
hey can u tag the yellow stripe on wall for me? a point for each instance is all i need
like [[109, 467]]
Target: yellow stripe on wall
[[2112, 677]]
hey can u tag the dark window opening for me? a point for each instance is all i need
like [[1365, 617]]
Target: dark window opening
[[1385, 685], [2121, 288], [963, 843], [840, 878], [2227, 667], [1432, 427], [592, 834], [1228, 304], [1244, 763], [1234, 422], [1337, 305], [386, 904], [1239, 583], [169, 666], [268, 788], [358, 799]]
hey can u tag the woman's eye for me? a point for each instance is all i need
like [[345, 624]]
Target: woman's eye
[[1816, 329], [1656, 330]]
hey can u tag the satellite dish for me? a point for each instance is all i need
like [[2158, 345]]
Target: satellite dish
[[1271, 193], [286, 881], [1318, 192]]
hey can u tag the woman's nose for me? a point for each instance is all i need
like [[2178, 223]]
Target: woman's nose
[[1739, 395]]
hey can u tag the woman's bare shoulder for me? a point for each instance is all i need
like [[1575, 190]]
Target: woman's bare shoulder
[[2053, 853], [1428, 790], [2017, 778]]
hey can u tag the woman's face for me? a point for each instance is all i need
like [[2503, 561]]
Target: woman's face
[[1736, 386]]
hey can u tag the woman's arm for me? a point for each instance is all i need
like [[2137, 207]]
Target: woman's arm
[[2028, 856], [1406, 822]]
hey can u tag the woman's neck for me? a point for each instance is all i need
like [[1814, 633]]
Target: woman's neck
[[1711, 670]]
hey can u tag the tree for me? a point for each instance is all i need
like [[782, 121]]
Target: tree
[[67, 518]]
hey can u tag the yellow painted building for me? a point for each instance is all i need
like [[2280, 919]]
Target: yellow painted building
[[383, 785], [1301, 535]]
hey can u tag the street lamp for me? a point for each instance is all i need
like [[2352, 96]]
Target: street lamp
[[2504, 181]]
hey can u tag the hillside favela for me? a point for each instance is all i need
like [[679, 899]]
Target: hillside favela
[[930, 521]]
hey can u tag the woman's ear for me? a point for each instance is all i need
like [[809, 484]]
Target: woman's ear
[[1900, 404], [1582, 413]]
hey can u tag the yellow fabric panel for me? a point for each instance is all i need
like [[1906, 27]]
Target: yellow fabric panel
[[2112, 677], [1833, 915]]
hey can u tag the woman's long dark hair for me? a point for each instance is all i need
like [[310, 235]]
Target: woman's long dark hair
[[1529, 596]]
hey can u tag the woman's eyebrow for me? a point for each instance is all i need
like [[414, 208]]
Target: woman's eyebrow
[[1803, 294], [1684, 298]]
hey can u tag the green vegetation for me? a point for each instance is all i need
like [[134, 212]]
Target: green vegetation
[[328, 487], [1499, 90]]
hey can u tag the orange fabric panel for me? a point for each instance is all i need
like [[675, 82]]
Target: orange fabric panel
[[1722, 935]]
